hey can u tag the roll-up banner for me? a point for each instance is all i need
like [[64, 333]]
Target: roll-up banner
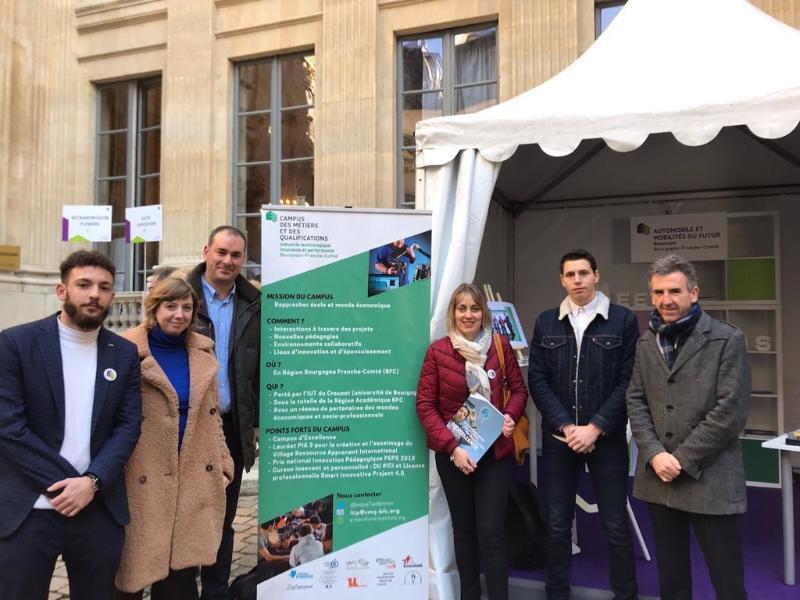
[[343, 464]]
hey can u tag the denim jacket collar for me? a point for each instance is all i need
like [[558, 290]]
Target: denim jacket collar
[[602, 306]]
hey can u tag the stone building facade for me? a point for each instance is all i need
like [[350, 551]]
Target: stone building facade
[[212, 107]]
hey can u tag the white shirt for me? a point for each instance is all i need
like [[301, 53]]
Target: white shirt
[[79, 368], [581, 316]]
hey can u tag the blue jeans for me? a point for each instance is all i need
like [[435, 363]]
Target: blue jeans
[[608, 467]]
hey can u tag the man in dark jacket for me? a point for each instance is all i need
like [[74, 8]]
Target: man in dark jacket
[[70, 416], [580, 365], [229, 312], [688, 405]]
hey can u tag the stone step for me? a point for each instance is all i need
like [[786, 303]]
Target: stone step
[[250, 482]]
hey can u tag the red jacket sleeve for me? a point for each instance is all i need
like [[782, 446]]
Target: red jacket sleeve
[[439, 437]]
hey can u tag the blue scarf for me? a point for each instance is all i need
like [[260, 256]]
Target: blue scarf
[[671, 336], [173, 358]]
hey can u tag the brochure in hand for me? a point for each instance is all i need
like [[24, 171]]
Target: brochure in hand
[[476, 425]]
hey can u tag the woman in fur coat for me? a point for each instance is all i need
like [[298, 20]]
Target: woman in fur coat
[[178, 472]]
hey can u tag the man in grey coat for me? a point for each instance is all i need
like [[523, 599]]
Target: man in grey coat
[[687, 404]]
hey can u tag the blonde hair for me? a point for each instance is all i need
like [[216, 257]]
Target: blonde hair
[[167, 290], [477, 296]]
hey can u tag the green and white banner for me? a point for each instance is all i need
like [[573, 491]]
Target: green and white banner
[[343, 465]]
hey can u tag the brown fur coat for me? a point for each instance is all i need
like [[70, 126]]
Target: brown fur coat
[[177, 501]]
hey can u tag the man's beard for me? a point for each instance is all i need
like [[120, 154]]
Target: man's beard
[[83, 321]]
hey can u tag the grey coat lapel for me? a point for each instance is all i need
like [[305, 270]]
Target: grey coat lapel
[[696, 340], [652, 339]]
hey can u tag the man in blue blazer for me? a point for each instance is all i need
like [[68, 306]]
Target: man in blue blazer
[[70, 415]]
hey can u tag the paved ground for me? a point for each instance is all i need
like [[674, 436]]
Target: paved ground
[[244, 545]]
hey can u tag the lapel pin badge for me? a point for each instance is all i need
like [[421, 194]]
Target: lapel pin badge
[[110, 374], [491, 373]]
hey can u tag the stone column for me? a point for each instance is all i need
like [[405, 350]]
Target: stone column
[[787, 11], [6, 97], [186, 142], [539, 38], [37, 135], [345, 153]]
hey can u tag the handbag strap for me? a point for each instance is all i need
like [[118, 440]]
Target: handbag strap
[[501, 357]]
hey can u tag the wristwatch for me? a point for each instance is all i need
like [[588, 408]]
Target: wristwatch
[[96, 484]]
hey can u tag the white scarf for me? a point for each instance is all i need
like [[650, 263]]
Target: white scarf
[[474, 355]]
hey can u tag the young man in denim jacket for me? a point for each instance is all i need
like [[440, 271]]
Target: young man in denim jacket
[[580, 365]]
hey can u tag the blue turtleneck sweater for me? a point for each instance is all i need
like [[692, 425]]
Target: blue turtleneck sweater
[[173, 358]]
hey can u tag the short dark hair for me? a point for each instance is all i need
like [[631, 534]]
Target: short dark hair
[[86, 258], [578, 254], [160, 273], [304, 529], [673, 263], [229, 228]]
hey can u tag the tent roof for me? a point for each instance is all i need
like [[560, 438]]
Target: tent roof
[[688, 67]]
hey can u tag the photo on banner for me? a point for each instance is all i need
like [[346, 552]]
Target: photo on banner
[[399, 262], [343, 463], [296, 537]]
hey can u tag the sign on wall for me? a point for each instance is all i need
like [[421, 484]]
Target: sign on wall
[[143, 224], [9, 258], [343, 464], [694, 236], [85, 223]]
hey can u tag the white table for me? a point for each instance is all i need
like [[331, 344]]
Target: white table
[[787, 494]]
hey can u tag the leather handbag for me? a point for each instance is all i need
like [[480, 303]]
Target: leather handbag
[[520, 434]]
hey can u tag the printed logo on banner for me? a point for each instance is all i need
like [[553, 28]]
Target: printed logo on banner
[[353, 582], [387, 563], [329, 574], [409, 562], [385, 578], [360, 563], [412, 578], [340, 512], [295, 574], [300, 586]]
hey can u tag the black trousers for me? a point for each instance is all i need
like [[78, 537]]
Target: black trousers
[[608, 468], [215, 577], [719, 537], [178, 585], [478, 510], [90, 543]]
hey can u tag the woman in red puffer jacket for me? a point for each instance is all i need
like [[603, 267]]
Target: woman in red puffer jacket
[[466, 362]]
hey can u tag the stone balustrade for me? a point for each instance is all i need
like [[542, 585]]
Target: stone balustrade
[[126, 311]]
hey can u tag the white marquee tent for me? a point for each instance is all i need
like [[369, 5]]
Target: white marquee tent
[[688, 68]]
